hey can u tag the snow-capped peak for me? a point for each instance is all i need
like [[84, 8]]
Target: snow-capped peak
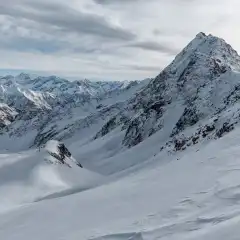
[[200, 80], [208, 46]]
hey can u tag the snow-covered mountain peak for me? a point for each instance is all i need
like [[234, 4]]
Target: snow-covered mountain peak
[[204, 59], [7, 77], [205, 47], [23, 77], [200, 81], [201, 35]]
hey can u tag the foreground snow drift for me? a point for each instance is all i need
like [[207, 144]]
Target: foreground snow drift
[[26, 177]]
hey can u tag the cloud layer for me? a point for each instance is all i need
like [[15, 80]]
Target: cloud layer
[[107, 39]]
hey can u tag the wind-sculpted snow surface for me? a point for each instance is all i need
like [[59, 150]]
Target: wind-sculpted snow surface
[[189, 195], [27, 177]]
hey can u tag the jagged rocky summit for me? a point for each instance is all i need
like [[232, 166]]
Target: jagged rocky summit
[[199, 88]]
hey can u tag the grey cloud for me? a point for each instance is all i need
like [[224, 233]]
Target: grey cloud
[[23, 37], [109, 2], [154, 46], [45, 46], [26, 44], [144, 68], [66, 19], [157, 32], [114, 1]]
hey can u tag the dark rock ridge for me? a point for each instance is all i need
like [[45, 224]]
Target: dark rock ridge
[[203, 80], [59, 151], [7, 115]]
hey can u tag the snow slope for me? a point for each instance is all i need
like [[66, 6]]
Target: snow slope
[[190, 195], [26, 177]]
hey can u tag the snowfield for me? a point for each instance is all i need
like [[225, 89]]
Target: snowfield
[[26, 177], [190, 195]]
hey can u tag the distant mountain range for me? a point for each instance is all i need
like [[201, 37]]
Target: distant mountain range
[[193, 98]]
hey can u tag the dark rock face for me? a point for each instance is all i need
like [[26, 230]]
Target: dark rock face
[[63, 151], [188, 118], [7, 115], [226, 128], [144, 125], [42, 138], [181, 141], [233, 96], [179, 144], [60, 152], [113, 123]]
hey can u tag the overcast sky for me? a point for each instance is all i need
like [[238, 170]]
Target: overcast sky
[[107, 39]]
